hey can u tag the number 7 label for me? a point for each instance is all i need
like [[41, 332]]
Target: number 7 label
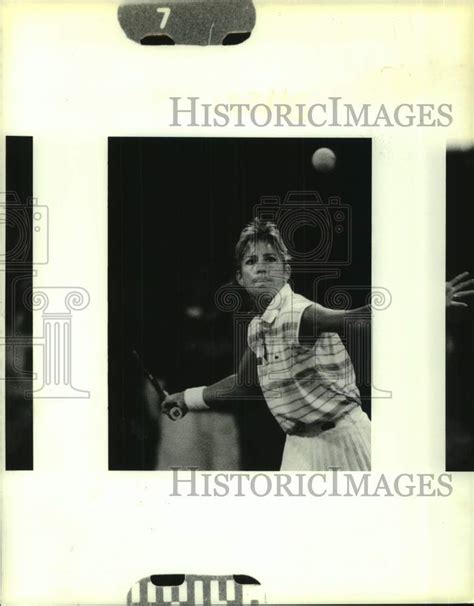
[[166, 13]]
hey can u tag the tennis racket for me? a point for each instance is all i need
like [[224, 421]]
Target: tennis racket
[[173, 413]]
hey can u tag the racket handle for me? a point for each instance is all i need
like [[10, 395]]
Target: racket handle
[[153, 380], [175, 413]]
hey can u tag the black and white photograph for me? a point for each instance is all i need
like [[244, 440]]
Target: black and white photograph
[[459, 309], [239, 303], [19, 216]]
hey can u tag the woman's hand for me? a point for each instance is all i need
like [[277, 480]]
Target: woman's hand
[[174, 406], [458, 288]]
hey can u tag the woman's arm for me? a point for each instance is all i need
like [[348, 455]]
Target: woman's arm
[[240, 386], [243, 385], [317, 319]]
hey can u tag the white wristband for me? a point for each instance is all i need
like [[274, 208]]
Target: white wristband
[[194, 399]]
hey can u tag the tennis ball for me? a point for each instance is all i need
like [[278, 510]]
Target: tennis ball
[[324, 160]]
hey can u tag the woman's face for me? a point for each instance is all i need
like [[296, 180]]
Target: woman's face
[[262, 270]]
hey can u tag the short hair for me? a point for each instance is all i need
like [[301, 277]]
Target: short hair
[[260, 231]]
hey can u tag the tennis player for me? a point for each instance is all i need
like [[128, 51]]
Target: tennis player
[[296, 354]]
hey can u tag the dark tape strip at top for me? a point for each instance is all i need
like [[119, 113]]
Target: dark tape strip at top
[[194, 22]]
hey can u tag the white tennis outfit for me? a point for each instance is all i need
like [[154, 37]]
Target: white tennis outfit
[[310, 389]]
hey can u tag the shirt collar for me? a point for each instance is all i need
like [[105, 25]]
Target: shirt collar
[[276, 304]]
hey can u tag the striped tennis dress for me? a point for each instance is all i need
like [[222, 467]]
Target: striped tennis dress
[[310, 389]]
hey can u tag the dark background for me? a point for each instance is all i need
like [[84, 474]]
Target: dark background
[[460, 322], [18, 255], [176, 209]]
